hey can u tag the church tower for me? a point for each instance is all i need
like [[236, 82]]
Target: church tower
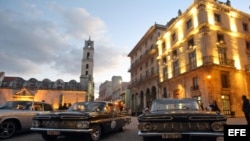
[[86, 78]]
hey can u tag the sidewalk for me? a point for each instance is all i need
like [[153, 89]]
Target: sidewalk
[[237, 121]]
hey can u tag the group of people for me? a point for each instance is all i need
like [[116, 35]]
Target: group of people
[[245, 108], [65, 106]]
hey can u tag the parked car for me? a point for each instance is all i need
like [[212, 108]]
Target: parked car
[[83, 120], [180, 119], [17, 116]]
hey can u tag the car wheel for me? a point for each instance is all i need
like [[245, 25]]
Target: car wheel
[[7, 129], [95, 135], [48, 137]]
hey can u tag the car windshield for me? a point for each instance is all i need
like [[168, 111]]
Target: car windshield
[[87, 106], [164, 105], [16, 105]]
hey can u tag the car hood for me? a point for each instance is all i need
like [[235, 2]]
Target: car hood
[[64, 115], [182, 115]]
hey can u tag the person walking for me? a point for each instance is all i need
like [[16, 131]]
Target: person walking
[[214, 106], [246, 108]]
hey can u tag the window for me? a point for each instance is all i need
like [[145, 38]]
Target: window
[[173, 37], [225, 79], [87, 66], [195, 83], [174, 53], [192, 60], [165, 92], [220, 38], [189, 24], [176, 68], [217, 17], [163, 47], [165, 73], [248, 47], [164, 60], [191, 43], [86, 72], [245, 26], [88, 55], [222, 55]]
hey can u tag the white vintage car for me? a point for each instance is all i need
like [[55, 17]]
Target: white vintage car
[[16, 116]]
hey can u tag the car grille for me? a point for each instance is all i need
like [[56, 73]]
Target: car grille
[[58, 124], [181, 126]]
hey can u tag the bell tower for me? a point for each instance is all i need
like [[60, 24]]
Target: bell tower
[[86, 78]]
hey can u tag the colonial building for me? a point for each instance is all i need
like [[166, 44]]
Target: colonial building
[[55, 93], [202, 53], [144, 70], [205, 53]]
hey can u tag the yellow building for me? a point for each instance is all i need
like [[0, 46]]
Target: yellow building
[[205, 53], [56, 93]]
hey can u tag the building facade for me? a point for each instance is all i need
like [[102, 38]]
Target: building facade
[[144, 70], [204, 53], [54, 92]]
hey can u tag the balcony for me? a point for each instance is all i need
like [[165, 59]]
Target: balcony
[[194, 88], [208, 60]]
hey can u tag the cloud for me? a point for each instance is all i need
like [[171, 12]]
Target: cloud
[[35, 46]]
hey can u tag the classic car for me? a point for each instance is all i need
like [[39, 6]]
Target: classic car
[[16, 116], [83, 120], [180, 119]]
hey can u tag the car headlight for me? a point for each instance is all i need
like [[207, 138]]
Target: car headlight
[[35, 123], [82, 124], [145, 126], [218, 126]]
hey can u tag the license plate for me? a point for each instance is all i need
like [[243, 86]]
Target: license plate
[[53, 133], [171, 136]]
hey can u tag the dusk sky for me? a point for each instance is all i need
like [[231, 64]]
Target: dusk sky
[[45, 38]]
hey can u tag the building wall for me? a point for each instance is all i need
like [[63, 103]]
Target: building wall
[[144, 70], [54, 97], [219, 51]]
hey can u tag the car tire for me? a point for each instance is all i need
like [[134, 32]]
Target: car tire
[[7, 129], [95, 135], [48, 137]]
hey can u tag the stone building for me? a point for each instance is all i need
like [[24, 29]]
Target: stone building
[[204, 53], [87, 70], [54, 92], [144, 70]]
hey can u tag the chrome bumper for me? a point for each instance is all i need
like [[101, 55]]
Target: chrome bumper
[[215, 134], [62, 130]]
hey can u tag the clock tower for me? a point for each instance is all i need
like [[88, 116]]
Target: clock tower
[[86, 78]]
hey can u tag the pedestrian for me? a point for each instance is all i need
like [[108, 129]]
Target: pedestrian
[[214, 106], [246, 108], [146, 109], [202, 107], [65, 107]]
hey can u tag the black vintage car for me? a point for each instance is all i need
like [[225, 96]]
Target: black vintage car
[[83, 120], [180, 119]]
